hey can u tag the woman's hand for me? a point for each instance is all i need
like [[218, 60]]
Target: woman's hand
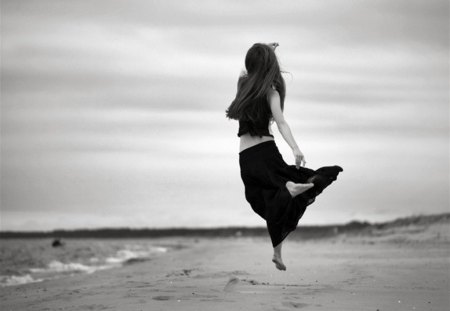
[[273, 45], [299, 158]]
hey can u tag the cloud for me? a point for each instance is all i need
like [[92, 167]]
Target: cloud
[[110, 105]]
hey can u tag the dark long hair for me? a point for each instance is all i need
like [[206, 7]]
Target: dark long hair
[[263, 73]]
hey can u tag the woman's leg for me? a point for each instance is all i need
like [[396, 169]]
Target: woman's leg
[[277, 257], [296, 189]]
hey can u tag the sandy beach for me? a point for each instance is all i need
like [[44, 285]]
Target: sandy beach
[[404, 268]]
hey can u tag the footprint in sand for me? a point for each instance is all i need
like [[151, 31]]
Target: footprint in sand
[[162, 297], [296, 305], [183, 272], [231, 284]]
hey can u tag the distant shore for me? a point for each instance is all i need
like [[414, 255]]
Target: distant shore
[[302, 232]]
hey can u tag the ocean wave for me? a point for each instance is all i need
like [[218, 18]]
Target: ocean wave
[[58, 266], [125, 255], [11, 280], [76, 263]]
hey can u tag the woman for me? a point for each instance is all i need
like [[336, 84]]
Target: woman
[[276, 191]]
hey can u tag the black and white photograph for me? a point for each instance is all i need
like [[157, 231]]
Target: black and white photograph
[[225, 155]]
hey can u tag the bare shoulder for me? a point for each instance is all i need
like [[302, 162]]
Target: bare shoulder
[[273, 95], [274, 100], [275, 106]]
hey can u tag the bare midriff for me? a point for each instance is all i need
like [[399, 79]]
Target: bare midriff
[[248, 141]]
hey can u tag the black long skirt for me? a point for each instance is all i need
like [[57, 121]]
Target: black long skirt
[[265, 174]]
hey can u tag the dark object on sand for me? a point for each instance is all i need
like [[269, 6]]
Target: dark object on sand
[[57, 243]]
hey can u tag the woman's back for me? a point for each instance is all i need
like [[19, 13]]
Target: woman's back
[[255, 129]]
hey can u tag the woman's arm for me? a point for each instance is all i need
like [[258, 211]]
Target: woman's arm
[[283, 127]]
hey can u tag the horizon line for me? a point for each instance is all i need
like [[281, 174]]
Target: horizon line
[[365, 222]]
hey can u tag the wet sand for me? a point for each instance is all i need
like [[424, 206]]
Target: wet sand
[[398, 271]]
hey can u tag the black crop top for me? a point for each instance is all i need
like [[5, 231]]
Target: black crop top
[[260, 126]]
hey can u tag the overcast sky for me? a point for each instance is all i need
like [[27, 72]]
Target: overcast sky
[[113, 112]]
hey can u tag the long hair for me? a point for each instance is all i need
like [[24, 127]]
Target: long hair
[[263, 73]]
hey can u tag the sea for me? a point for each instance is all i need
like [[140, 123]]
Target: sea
[[25, 261]]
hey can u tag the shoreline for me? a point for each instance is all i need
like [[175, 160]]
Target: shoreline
[[233, 274], [63, 260]]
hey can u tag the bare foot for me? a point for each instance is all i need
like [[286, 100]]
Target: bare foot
[[295, 189], [278, 263]]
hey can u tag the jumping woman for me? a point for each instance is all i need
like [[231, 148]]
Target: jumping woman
[[276, 191]]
